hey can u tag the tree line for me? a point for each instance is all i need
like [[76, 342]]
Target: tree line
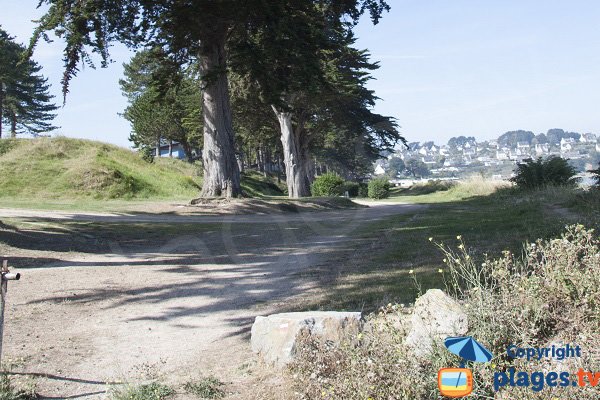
[[276, 79]]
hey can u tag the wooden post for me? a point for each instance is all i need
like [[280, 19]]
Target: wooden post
[[3, 287], [6, 276]]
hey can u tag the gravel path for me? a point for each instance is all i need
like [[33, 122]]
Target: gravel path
[[176, 311]]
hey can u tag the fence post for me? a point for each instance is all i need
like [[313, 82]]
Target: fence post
[[6, 276]]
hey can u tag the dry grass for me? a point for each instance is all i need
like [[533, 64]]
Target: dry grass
[[548, 296]]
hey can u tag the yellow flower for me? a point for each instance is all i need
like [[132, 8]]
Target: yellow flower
[[441, 271], [412, 271], [459, 237]]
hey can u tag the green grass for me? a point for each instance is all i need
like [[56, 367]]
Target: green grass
[[63, 168], [206, 388], [150, 391], [74, 174], [255, 184], [488, 224], [444, 192]]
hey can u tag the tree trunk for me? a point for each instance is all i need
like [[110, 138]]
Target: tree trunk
[[13, 125], [1, 107], [158, 147], [187, 149], [295, 169], [221, 173], [170, 148], [241, 162]]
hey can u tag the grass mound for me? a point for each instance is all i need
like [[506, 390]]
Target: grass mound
[[444, 191], [55, 168], [255, 184]]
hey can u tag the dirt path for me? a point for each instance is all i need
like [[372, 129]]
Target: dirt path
[[176, 311]]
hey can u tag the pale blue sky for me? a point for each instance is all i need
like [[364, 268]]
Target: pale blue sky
[[460, 67]]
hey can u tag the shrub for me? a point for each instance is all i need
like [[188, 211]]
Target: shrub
[[553, 170], [328, 185], [150, 391], [379, 188], [352, 188], [9, 392], [363, 190], [549, 296], [206, 388]]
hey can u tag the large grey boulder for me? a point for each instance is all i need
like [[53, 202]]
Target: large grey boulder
[[435, 317], [274, 337]]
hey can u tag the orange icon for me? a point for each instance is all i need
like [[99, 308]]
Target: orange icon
[[455, 382]]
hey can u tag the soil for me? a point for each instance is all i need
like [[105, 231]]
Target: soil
[[96, 313]]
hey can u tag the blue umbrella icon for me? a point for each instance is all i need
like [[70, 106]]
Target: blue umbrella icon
[[467, 348]]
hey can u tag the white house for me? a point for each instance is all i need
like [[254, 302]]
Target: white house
[[566, 144], [379, 170]]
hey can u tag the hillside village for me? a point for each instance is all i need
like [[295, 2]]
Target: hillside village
[[495, 158]]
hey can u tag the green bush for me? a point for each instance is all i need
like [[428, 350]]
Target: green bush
[[206, 388], [363, 190], [328, 185], [379, 188], [552, 171], [149, 391]]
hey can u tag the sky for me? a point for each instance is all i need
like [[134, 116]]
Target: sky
[[448, 68]]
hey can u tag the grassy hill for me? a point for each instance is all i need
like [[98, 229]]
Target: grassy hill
[[36, 171], [61, 168]]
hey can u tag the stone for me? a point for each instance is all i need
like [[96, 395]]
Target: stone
[[435, 317], [274, 337]]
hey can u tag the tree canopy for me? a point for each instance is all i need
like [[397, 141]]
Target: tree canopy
[[25, 102], [282, 45]]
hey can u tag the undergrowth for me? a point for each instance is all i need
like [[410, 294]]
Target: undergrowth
[[549, 295]]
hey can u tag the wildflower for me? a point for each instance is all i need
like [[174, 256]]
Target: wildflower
[[467, 256], [460, 246], [412, 271], [445, 260], [441, 271], [459, 237], [431, 239], [483, 264]]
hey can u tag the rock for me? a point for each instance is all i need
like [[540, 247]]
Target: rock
[[274, 337], [435, 317]]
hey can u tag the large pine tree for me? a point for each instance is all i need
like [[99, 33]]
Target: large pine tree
[[201, 29], [25, 102]]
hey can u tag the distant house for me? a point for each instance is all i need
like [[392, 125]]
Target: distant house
[[542, 148], [588, 138], [429, 160], [502, 154], [566, 144], [379, 170], [173, 149]]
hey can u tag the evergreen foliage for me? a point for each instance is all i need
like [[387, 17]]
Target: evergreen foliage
[[552, 171], [25, 102]]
